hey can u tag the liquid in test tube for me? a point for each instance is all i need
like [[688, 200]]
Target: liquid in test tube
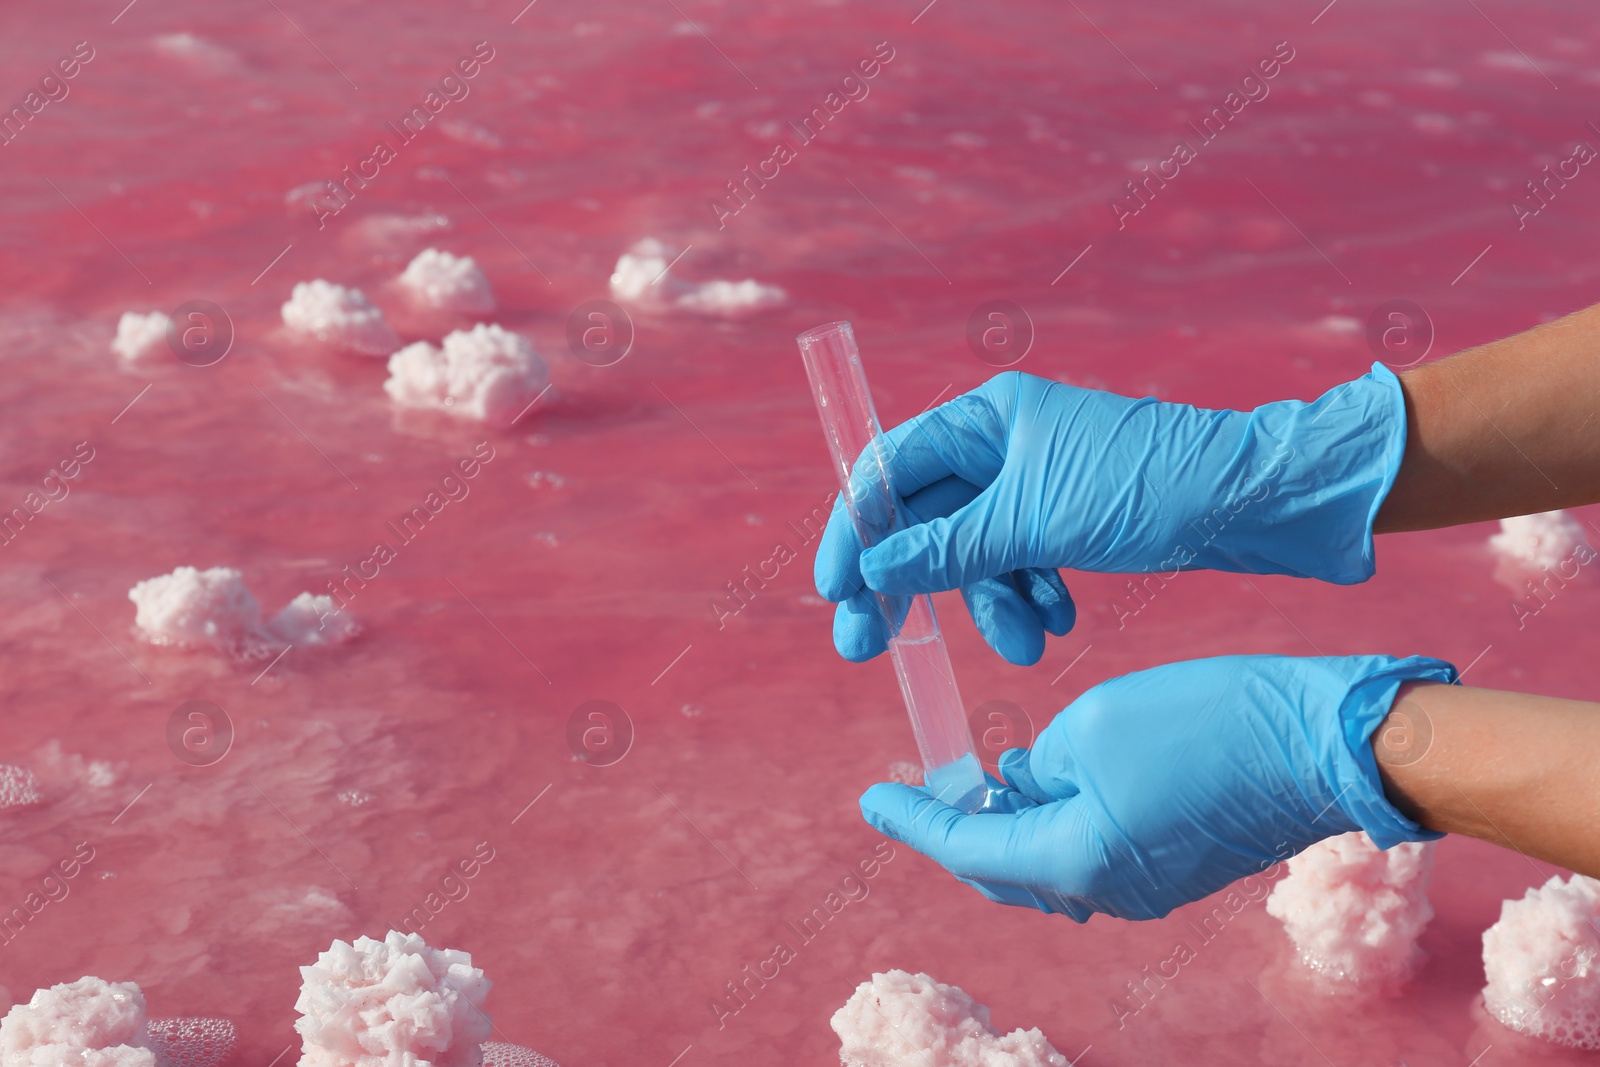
[[860, 454]]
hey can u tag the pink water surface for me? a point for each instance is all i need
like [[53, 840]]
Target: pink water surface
[[980, 166]]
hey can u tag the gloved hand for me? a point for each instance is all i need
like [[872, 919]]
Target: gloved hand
[[1158, 788], [1024, 475]]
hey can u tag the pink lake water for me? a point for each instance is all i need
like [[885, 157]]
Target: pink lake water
[[981, 166]]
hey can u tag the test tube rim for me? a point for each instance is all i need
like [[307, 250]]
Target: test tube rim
[[818, 332]]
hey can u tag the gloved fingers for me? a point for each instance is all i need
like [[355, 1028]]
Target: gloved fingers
[[946, 552], [858, 628], [1006, 618], [964, 437], [1003, 800], [1048, 771], [1046, 592], [1052, 845], [838, 565]]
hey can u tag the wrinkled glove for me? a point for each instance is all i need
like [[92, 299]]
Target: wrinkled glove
[[1161, 787], [1022, 475]]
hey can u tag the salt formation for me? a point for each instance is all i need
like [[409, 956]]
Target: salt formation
[[1354, 912], [910, 1020], [18, 787], [638, 270], [639, 278], [486, 373], [191, 608], [191, 1042], [1542, 540], [731, 299], [140, 336], [500, 1054], [87, 1023], [377, 1003], [340, 317], [452, 283], [1543, 963], [311, 619]]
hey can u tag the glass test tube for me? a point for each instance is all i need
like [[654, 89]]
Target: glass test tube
[[921, 662]]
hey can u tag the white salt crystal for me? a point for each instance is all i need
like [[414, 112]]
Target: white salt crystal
[[340, 317]]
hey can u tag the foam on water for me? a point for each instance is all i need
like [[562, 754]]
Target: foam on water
[[195, 1042], [502, 1054]]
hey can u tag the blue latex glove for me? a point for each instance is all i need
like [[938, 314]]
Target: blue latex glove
[[1023, 475], [1158, 788]]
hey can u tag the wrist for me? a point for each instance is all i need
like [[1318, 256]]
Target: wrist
[[1370, 721]]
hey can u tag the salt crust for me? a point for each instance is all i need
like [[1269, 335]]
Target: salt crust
[[486, 373], [448, 282], [1354, 912], [140, 336], [372, 1003], [1542, 959], [339, 317], [87, 1023], [191, 608], [1542, 540], [640, 278], [910, 1020]]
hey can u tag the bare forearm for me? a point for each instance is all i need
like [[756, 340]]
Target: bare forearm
[[1508, 428], [1509, 768]]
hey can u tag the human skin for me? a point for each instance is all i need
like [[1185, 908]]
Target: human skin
[[1509, 768], [1507, 428]]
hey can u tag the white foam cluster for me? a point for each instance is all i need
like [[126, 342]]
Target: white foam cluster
[[192, 608], [486, 373], [389, 1003], [501, 1054], [87, 1023], [910, 1020], [340, 317], [1543, 963], [1353, 911], [140, 336], [19, 788], [191, 1042], [639, 278], [451, 283], [1544, 539]]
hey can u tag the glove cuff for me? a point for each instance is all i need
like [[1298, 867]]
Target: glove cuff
[[1327, 466], [1365, 706]]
